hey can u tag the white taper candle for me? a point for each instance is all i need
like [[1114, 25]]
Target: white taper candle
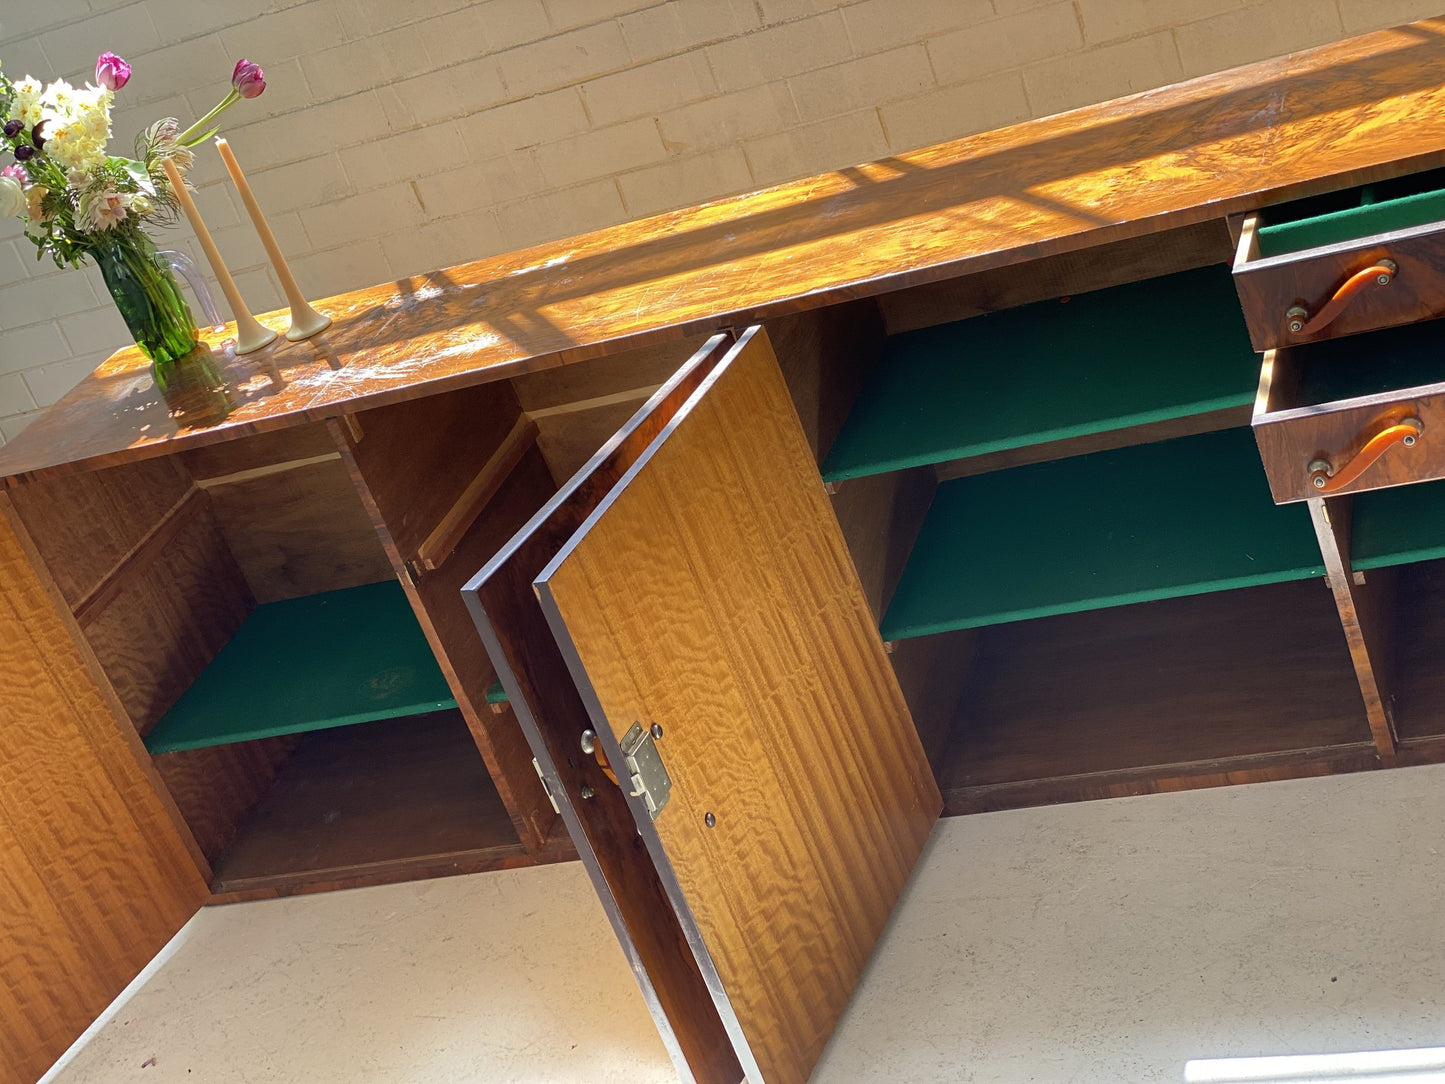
[[251, 335], [305, 321]]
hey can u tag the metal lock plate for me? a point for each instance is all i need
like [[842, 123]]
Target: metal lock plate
[[647, 778]]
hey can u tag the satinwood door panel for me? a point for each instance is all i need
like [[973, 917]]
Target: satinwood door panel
[[711, 594], [95, 877], [550, 711]]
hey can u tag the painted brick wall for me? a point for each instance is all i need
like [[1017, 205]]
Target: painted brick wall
[[396, 136]]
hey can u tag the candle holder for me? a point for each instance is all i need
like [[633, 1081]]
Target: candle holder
[[251, 335], [305, 321]]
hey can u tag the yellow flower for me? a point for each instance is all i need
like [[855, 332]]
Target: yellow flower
[[35, 203], [27, 101]]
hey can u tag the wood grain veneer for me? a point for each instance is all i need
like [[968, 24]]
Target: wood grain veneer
[[718, 557], [448, 441], [1361, 618], [1270, 288], [94, 875], [551, 712], [1358, 110], [300, 531], [1230, 687]]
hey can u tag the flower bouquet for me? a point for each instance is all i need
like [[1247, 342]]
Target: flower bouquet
[[78, 201]]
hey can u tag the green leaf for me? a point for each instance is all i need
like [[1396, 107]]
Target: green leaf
[[138, 173]]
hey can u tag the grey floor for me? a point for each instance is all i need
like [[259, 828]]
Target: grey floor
[[1108, 942]]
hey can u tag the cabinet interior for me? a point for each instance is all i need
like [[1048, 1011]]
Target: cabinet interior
[[1046, 480], [1053, 497]]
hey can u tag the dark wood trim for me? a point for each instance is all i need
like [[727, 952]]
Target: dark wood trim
[[140, 557], [1229, 771]]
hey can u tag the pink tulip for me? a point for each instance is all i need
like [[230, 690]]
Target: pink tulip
[[248, 79], [111, 71]]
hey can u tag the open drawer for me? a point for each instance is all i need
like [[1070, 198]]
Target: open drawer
[[1353, 261], [1353, 414]]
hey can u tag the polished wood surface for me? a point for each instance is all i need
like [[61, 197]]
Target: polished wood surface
[[447, 442], [299, 531], [1331, 520], [1269, 288], [718, 557], [577, 408], [1292, 435], [551, 712], [174, 615], [89, 528], [216, 788], [376, 795], [880, 517], [1114, 263], [1358, 110], [94, 875], [1414, 630], [1159, 696]]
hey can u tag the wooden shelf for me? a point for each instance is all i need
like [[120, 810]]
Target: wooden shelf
[[1144, 353], [1252, 684], [378, 799], [1181, 517], [327, 660]]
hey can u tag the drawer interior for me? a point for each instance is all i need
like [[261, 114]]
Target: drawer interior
[[1351, 214], [1336, 370]]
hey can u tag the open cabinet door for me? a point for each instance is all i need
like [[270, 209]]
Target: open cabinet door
[[553, 718], [95, 877], [709, 606]]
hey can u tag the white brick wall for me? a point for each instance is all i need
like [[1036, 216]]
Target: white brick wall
[[401, 135]]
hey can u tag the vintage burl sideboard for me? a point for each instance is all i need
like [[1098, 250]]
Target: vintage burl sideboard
[[1093, 456]]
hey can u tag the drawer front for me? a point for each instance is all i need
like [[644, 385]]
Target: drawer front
[[1363, 444], [1341, 289]]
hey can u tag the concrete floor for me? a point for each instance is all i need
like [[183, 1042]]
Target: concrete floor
[[1100, 943]]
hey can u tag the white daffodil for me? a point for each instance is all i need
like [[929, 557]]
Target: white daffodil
[[27, 101]]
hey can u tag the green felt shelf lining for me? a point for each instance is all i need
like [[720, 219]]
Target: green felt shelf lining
[[1409, 356], [1351, 223], [343, 657], [1129, 355], [1398, 526], [1154, 521], [496, 694]]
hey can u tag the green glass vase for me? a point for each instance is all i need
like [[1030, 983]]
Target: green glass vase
[[149, 299]]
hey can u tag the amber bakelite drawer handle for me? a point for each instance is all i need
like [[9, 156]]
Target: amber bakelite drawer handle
[[1380, 273], [1328, 480]]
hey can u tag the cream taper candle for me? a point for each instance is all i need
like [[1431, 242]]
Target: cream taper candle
[[305, 321], [251, 335]]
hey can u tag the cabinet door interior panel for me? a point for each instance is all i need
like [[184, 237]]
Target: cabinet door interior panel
[[712, 594], [94, 875], [429, 472], [550, 711]]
